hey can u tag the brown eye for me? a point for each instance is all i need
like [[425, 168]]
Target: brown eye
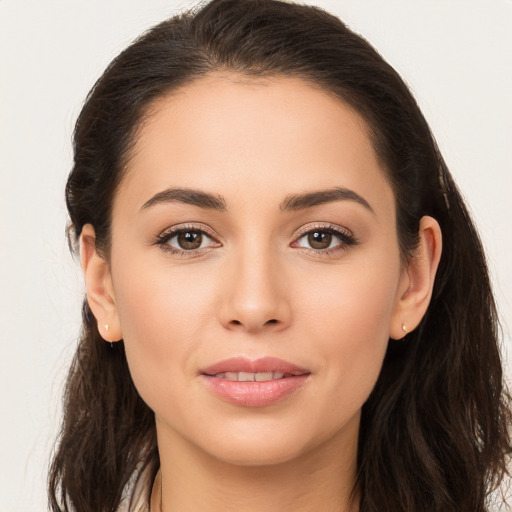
[[186, 241], [189, 240], [319, 239], [325, 240]]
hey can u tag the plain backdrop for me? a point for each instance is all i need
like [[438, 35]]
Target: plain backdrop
[[455, 55]]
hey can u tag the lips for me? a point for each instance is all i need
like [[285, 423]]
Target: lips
[[261, 365], [250, 376], [258, 383]]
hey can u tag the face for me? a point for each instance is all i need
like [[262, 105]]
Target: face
[[254, 238]]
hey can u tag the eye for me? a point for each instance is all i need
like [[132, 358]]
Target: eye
[[318, 240], [186, 240], [325, 239]]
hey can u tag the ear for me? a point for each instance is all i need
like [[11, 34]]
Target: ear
[[417, 280], [98, 285]]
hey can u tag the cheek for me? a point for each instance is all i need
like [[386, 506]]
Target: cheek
[[356, 302], [162, 315], [348, 313]]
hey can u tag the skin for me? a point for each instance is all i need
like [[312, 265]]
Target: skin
[[256, 288]]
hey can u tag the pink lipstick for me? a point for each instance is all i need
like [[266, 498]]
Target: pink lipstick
[[256, 383]]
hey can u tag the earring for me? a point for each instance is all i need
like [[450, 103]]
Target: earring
[[106, 329], [404, 328]]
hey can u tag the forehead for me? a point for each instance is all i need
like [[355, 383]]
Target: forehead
[[233, 135]]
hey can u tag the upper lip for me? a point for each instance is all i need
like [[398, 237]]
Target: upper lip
[[261, 365]]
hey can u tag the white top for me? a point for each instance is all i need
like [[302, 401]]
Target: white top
[[135, 494]]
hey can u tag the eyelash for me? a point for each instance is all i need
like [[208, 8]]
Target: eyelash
[[163, 239], [346, 238]]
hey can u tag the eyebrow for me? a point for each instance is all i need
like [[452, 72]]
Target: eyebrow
[[302, 201], [187, 196], [294, 202]]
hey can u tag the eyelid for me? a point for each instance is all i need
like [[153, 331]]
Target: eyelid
[[334, 228], [172, 230]]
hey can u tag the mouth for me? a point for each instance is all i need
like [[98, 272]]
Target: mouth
[[258, 383], [251, 376]]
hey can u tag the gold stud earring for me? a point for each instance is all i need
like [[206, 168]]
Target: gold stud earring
[[106, 329]]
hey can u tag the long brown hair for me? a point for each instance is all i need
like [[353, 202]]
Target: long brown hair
[[434, 433]]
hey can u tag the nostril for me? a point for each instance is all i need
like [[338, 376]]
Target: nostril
[[273, 321]]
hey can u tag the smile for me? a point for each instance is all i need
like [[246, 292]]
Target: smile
[[251, 377], [259, 383]]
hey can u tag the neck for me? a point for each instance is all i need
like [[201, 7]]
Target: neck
[[321, 479]]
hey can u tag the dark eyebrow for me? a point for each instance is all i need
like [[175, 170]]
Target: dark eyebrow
[[187, 196], [302, 201]]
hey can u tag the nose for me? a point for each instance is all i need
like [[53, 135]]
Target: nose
[[254, 295]]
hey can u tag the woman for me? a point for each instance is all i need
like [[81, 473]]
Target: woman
[[287, 305]]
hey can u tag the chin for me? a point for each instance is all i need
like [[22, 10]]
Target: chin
[[279, 444]]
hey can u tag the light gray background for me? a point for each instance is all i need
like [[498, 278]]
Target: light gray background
[[456, 56]]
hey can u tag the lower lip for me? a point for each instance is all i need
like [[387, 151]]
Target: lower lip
[[255, 394]]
